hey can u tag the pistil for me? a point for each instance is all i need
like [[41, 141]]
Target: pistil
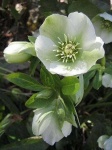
[[68, 50]]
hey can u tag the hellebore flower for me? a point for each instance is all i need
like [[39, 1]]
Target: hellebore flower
[[68, 45], [107, 80], [108, 144], [103, 26], [19, 52], [101, 140], [46, 123]]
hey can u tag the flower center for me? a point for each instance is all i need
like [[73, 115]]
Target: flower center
[[106, 24], [68, 50]]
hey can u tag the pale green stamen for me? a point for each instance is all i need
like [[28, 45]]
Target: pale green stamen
[[67, 51]]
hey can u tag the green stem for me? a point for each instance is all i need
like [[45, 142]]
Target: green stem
[[4, 69]]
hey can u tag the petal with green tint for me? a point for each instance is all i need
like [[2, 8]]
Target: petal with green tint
[[53, 133], [106, 36], [44, 48], [97, 22], [106, 16], [35, 122], [55, 26], [68, 69], [83, 29], [66, 129]]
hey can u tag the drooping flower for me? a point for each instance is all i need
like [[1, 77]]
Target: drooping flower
[[107, 80], [19, 52], [46, 123], [68, 45], [103, 26]]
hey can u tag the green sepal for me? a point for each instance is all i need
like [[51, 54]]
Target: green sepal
[[48, 79], [40, 99], [68, 106], [31, 39], [87, 77], [97, 81]]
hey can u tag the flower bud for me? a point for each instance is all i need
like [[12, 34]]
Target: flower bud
[[19, 52]]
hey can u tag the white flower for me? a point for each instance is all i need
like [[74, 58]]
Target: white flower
[[108, 144], [107, 80], [18, 52], [103, 26], [101, 140], [68, 45], [45, 123]]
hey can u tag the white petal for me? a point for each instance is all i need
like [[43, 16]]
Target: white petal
[[107, 80], [15, 47], [35, 123], [106, 16], [66, 129], [83, 28], [104, 33], [97, 22], [68, 69], [54, 26], [108, 144], [53, 133], [106, 36], [44, 122], [101, 140], [44, 48]]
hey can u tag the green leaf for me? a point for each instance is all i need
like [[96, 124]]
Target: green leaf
[[84, 6], [31, 39], [68, 106], [97, 81], [48, 79], [79, 94], [70, 85], [33, 143], [34, 62], [87, 77], [5, 123], [40, 99], [8, 103], [24, 81], [108, 69]]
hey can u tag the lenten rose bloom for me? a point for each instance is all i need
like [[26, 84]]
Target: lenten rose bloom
[[101, 140], [103, 26], [46, 123], [19, 52], [108, 144], [68, 45]]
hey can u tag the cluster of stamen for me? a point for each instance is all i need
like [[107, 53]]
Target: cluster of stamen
[[68, 50], [106, 24]]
